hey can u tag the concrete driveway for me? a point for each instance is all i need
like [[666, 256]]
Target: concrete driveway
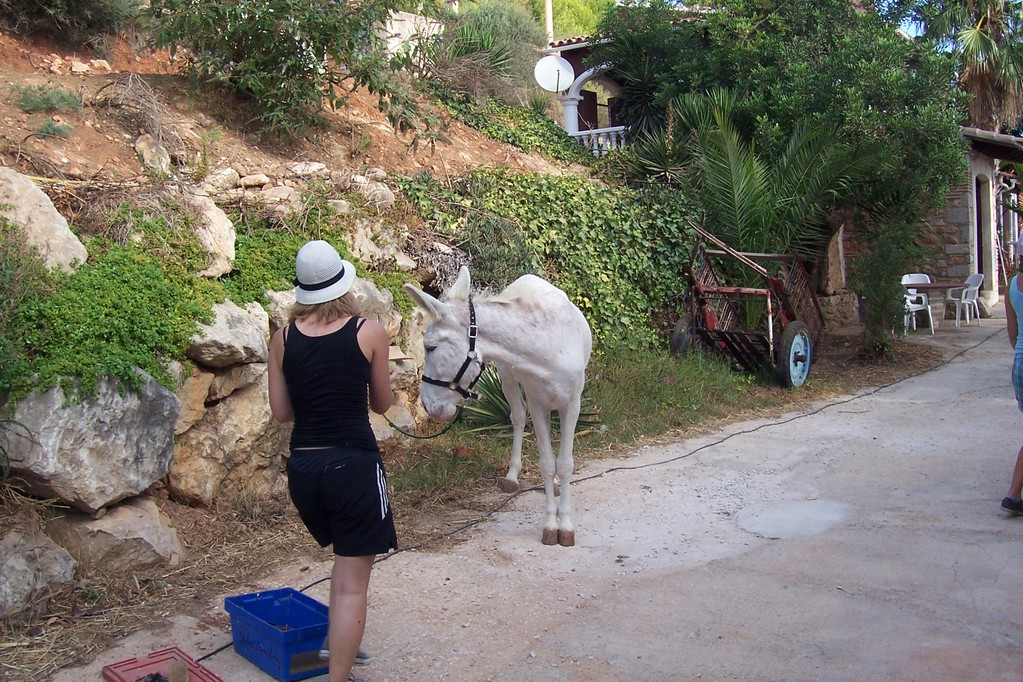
[[859, 539]]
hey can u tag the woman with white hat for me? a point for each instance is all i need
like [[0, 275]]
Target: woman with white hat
[[327, 368]]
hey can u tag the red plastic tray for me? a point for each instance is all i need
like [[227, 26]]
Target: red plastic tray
[[136, 669]]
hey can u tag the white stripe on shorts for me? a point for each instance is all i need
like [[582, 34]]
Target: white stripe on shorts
[[382, 490]]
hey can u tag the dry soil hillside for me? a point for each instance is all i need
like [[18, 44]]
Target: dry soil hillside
[[117, 107]]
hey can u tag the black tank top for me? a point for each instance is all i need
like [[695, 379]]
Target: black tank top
[[328, 383]]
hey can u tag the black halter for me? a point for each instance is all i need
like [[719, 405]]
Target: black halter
[[470, 357]]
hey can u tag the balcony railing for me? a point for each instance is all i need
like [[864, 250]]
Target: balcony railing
[[600, 141]]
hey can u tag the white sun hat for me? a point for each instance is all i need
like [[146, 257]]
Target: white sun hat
[[321, 274]]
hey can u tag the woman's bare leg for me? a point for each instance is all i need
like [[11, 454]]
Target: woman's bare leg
[[349, 587], [1016, 484]]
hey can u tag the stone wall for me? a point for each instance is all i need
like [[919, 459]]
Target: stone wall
[[946, 235]]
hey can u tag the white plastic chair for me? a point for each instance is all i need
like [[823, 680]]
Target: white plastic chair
[[966, 298], [916, 301]]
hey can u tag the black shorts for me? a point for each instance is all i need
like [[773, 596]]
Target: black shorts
[[341, 496]]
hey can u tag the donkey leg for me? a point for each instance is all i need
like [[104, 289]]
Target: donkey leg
[[542, 425], [565, 465], [513, 394]]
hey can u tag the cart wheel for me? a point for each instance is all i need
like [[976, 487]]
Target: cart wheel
[[682, 337], [684, 340], [795, 355]]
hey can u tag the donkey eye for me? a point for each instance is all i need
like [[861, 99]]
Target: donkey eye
[[430, 349]]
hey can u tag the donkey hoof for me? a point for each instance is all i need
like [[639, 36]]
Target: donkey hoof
[[508, 486], [550, 536], [566, 538]]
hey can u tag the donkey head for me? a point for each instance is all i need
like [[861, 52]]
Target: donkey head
[[451, 366]]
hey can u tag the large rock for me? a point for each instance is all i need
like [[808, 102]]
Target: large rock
[[412, 330], [840, 311], [377, 244], [90, 454], [376, 304], [30, 563], [279, 304], [234, 378], [398, 416], [193, 394], [23, 203], [376, 193], [154, 155], [236, 448], [131, 536], [213, 229], [221, 180], [280, 204], [236, 336]]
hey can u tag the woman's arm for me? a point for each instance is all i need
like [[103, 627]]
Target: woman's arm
[[280, 401], [375, 346], [1011, 323]]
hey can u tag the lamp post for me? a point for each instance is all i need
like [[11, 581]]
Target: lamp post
[[548, 19]]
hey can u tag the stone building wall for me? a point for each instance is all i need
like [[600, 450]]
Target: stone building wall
[[947, 235]]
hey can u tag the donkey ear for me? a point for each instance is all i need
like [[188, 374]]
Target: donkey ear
[[459, 291], [428, 303]]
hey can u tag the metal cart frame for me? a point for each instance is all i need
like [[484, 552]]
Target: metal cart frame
[[791, 329]]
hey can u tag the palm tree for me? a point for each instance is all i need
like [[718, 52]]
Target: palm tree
[[987, 35], [755, 204]]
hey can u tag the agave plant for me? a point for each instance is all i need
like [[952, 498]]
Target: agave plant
[[491, 412]]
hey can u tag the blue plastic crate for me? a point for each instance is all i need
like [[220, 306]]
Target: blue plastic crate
[[280, 631]]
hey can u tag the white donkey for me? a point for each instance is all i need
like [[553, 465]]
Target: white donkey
[[537, 340]]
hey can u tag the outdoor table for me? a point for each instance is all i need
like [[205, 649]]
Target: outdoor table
[[932, 289], [936, 286]]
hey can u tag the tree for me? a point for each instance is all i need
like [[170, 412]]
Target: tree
[[571, 17], [288, 57], [797, 61], [757, 203], [986, 36], [799, 67]]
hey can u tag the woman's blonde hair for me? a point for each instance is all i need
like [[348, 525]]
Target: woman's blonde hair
[[325, 312]]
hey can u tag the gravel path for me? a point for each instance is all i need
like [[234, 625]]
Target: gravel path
[[855, 540]]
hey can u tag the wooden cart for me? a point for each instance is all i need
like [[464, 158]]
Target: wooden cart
[[789, 319]]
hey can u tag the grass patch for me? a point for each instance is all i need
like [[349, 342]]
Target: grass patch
[[44, 98], [637, 395], [54, 129]]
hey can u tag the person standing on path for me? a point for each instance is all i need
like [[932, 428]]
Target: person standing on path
[[327, 369], [1013, 309]]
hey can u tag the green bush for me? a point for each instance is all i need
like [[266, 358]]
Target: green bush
[[136, 303], [876, 279], [619, 255], [502, 29], [75, 20], [487, 52], [44, 98], [54, 129], [288, 57], [23, 276], [523, 127], [115, 313]]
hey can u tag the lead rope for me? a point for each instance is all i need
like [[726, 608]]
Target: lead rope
[[458, 415]]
